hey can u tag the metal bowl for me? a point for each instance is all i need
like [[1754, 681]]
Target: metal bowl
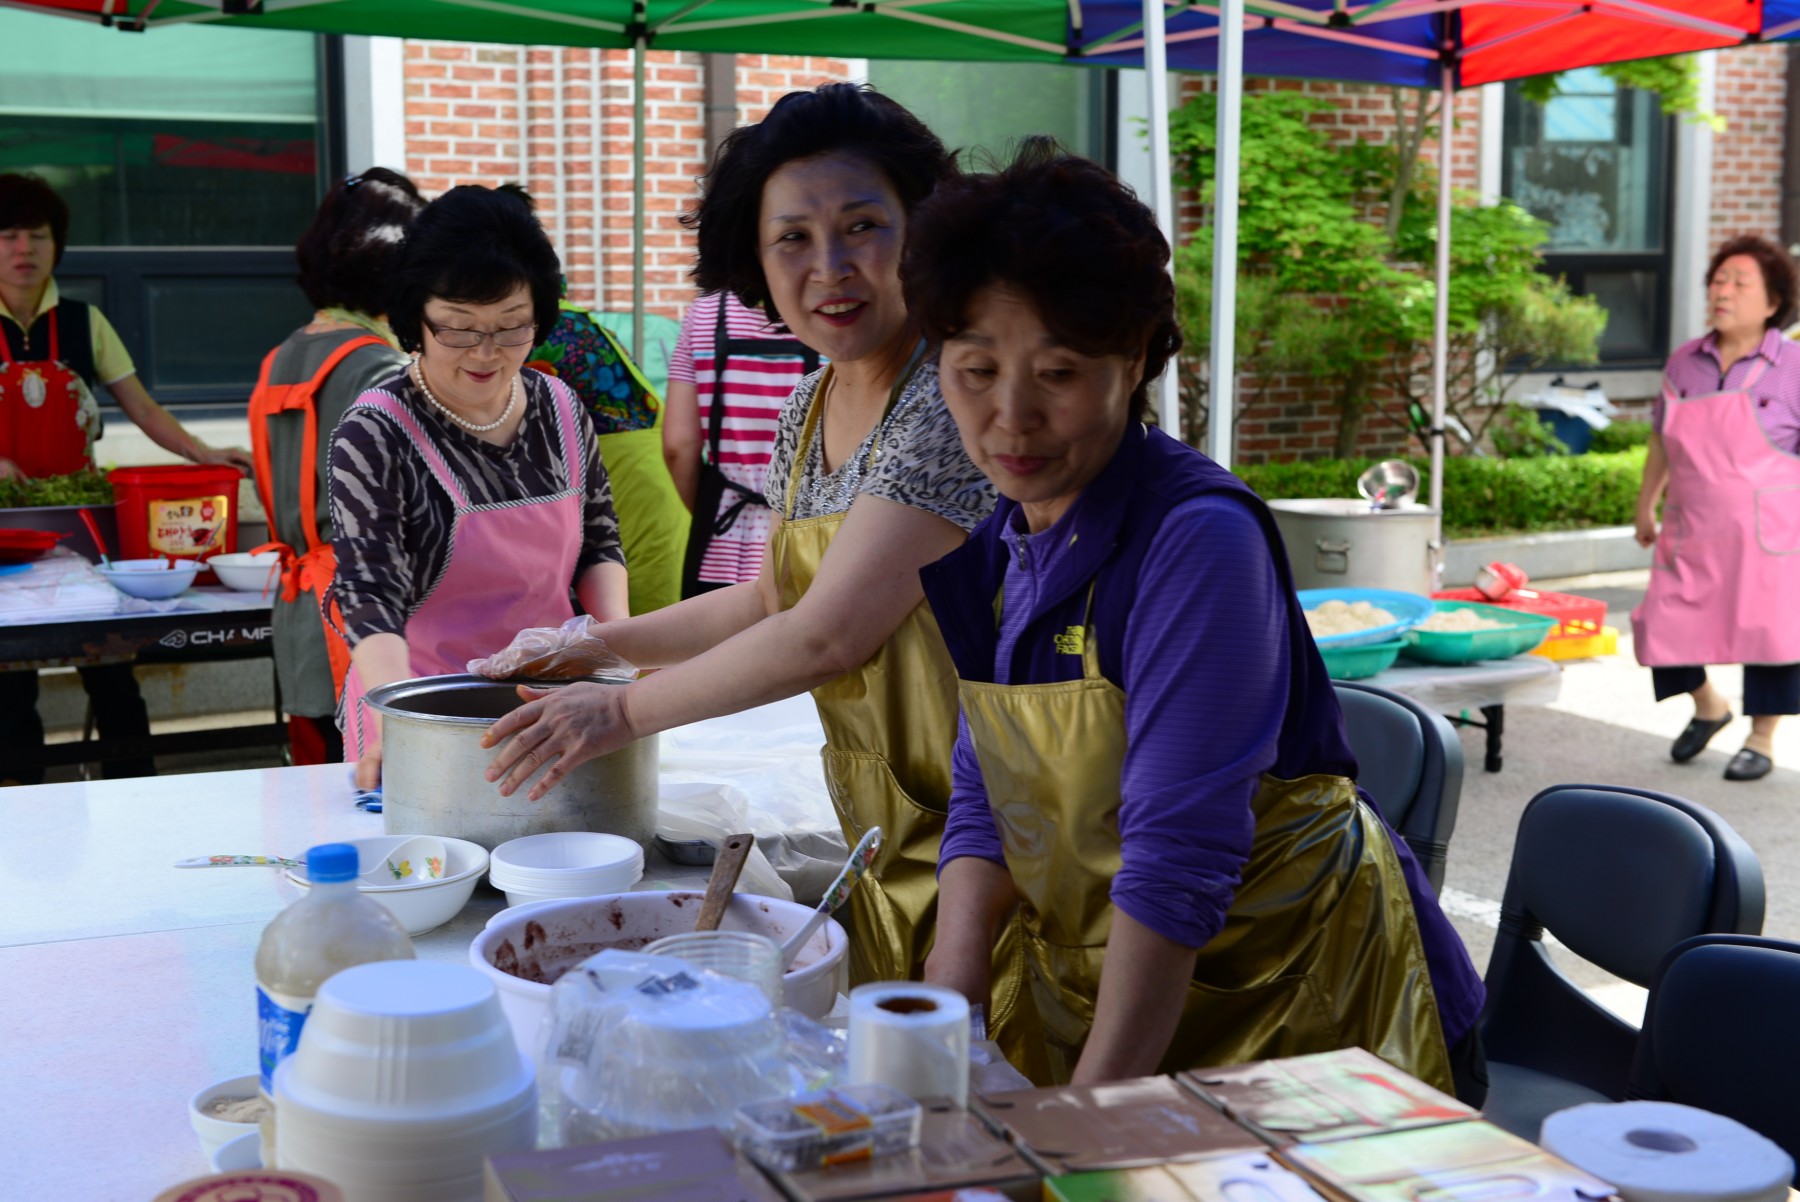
[[1389, 484]]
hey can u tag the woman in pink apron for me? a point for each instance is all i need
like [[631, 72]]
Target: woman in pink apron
[[468, 498], [1725, 462]]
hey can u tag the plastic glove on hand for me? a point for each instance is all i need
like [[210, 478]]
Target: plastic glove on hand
[[567, 652]]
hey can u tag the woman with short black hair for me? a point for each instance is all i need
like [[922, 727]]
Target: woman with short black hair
[[467, 492], [1152, 770], [805, 215], [308, 383]]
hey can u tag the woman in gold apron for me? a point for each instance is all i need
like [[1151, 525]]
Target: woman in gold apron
[[1152, 772], [804, 215]]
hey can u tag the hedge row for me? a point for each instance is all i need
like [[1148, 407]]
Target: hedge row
[[1486, 496]]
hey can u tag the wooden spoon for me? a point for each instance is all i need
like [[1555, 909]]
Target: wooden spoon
[[733, 854]]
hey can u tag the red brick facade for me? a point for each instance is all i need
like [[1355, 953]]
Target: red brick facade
[[464, 126]]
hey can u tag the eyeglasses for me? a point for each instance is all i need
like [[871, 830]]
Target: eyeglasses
[[462, 340]]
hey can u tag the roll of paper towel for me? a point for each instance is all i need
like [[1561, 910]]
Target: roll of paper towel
[[912, 1037], [1661, 1152]]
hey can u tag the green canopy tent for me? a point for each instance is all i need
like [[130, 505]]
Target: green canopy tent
[[1021, 31]]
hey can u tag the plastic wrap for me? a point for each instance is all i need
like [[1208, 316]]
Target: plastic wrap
[[568, 652], [642, 1044]]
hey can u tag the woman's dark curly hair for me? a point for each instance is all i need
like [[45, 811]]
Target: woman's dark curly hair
[[1777, 274], [833, 118], [347, 255], [27, 202], [474, 245], [1065, 234]]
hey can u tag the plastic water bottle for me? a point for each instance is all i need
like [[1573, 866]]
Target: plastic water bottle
[[330, 929]]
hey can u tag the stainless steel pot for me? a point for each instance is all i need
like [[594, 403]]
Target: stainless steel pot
[[433, 769], [1343, 543]]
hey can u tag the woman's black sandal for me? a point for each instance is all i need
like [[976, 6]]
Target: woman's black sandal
[[1693, 740]]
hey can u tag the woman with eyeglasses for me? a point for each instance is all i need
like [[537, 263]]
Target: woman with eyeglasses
[[467, 492]]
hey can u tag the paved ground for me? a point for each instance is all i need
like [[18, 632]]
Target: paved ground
[[1605, 729]]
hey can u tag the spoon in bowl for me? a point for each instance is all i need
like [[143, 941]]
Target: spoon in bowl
[[860, 858], [420, 858]]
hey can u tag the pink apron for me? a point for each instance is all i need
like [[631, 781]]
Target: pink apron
[[510, 567], [1725, 581]]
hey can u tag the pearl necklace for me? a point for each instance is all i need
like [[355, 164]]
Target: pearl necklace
[[512, 402]]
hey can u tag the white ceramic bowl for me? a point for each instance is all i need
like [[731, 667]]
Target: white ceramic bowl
[[151, 579], [425, 905], [247, 572], [571, 930], [237, 1155], [215, 1133]]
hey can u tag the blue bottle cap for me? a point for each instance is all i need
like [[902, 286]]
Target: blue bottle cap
[[331, 862]]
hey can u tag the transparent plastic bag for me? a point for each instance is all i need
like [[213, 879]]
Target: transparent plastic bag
[[567, 652], [638, 1044], [711, 813]]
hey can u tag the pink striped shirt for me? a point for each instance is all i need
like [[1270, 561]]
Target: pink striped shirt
[[755, 389], [1693, 370]]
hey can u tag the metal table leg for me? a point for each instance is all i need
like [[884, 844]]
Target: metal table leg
[[1496, 729]]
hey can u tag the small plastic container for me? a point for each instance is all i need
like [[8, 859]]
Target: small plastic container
[[835, 1126], [563, 864], [742, 955]]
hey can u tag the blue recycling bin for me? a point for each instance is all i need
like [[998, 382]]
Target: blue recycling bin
[[1575, 434]]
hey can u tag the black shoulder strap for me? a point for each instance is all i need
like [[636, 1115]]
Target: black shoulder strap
[[715, 423]]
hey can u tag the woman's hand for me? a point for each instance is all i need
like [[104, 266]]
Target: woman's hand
[[368, 768], [1646, 528], [236, 457], [559, 730]]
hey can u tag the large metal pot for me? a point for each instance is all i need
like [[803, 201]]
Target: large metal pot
[[1343, 543], [433, 769]]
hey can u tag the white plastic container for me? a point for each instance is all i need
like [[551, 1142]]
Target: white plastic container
[[562, 864], [407, 1079], [215, 1133]]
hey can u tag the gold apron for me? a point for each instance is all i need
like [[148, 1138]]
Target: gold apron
[[1320, 949], [890, 727]]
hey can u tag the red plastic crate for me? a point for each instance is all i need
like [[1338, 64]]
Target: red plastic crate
[[1576, 617]]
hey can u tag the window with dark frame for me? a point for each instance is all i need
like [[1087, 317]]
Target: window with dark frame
[[192, 159], [1595, 164]]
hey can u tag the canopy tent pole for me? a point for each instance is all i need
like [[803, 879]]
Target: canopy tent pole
[[637, 200], [1162, 185], [1440, 350], [1223, 372]]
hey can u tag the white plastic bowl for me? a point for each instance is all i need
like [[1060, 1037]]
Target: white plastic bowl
[[425, 905], [247, 572], [237, 1155], [215, 1133], [151, 579], [562, 864], [571, 930]]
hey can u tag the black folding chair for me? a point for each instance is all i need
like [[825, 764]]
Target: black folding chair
[[1619, 876], [1410, 762]]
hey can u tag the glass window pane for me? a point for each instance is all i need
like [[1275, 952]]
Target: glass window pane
[[988, 107], [1630, 299], [200, 328], [56, 66], [1591, 163]]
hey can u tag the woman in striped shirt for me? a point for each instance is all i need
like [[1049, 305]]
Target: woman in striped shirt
[[719, 432]]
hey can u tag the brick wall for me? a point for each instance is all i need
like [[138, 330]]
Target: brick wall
[[463, 126], [1751, 94]]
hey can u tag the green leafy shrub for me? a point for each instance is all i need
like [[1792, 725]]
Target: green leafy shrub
[[1620, 436], [1485, 497]]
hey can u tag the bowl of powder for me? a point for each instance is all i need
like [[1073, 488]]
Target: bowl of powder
[[225, 1110]]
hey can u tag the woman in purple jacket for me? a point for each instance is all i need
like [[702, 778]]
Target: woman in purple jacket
[[1151, 763]]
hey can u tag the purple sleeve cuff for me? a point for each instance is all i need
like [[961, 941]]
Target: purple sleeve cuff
[[969, 831]]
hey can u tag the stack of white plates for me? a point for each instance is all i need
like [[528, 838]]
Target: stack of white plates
[[405, 1079], [565, 864]]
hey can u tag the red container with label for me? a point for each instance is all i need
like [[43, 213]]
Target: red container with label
[[182, 510]]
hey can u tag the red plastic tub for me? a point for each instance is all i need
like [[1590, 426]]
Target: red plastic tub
[[186, 511]]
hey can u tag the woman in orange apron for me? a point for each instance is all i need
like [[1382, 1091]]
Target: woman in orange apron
[[1152, 775], [1725, 462], [804, 215]]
